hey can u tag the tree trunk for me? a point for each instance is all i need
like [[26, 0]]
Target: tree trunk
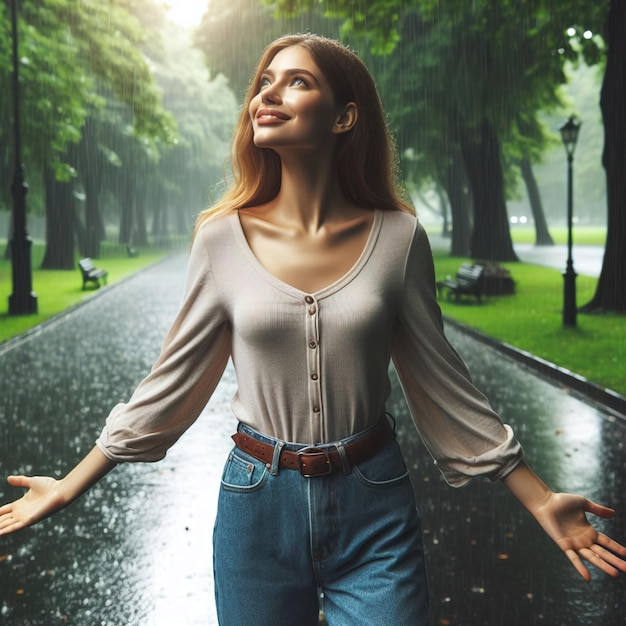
[[611, 289], [127, 209], [159, 227], [140, 237], [542, 234], [93, 222], [59, 200], [446, 227], [491, 237], [94, 229], [81, 236], [460, 209]]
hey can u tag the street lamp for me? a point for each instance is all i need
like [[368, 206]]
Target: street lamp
[[569, 135], [23, 300]]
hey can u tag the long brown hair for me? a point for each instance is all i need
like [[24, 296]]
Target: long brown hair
[[366, 157]]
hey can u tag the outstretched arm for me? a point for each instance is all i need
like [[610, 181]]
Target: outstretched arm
[[563, 517], [46, 495]]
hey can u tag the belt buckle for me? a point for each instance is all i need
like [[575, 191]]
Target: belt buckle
[[313, 452]]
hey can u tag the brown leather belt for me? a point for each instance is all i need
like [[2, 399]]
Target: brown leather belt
[[319, 461]]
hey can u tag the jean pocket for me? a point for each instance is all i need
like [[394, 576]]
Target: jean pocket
[[243, 472], [385, 469]]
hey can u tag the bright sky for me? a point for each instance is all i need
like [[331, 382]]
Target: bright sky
[[187, 13]]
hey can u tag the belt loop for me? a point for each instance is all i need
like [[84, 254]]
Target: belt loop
[[278, 448], [345, 462]]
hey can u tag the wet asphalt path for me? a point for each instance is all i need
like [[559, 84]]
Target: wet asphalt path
[[136, 550]]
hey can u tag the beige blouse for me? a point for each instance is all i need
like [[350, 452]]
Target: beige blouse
[[313, 367]]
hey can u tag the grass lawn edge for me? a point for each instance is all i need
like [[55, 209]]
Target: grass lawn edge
[[610, 400]]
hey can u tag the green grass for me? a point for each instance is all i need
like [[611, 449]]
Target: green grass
[[58, 290], [582, 235], [531, 320]]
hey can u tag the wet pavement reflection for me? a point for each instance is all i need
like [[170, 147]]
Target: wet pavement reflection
[[136, 550]]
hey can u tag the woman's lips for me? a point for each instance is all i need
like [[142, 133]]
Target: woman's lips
[[270, 116]]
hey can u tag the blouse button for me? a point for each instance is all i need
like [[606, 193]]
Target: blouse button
[[312, 310], [314, 376], [312, 344], [316, 409], [309, 300]]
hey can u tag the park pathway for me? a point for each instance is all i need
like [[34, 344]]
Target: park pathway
[[136, 550]]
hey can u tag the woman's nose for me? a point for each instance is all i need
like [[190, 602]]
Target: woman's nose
[[271, 95]]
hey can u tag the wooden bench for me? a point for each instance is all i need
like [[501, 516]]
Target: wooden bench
[[467, 282], [91, 274]]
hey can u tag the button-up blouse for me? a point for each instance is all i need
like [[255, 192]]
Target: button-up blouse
[[314, 367]]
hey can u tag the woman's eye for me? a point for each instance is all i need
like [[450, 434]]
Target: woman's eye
[[297, 81]]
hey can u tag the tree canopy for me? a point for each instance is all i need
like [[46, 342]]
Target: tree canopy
[[122, 123]]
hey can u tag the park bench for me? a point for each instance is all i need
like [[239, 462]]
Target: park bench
[[91, 274], [468, 281]]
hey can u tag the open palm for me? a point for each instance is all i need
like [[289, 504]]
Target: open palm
[[564, 519], [41, 500]]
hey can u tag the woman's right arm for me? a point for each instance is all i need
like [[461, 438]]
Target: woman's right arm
[[162, 407], [47, 495]]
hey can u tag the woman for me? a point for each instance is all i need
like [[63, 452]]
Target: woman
[[311, 274]]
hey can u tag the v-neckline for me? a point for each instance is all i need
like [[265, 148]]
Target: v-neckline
[[324, 291]]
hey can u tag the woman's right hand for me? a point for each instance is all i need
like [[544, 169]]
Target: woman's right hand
[[46, 495], [42, 499]]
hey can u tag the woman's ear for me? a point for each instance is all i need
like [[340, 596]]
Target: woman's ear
[[347, 119]]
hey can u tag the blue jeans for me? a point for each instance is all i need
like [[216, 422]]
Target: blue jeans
[[280, 537]]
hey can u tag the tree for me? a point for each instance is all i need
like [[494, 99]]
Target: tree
[[532, 140], [66, 49], [611, 289], [205, 110], [109, 37], [542, 234]]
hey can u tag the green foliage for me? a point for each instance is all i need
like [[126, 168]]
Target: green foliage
[[376, 21], [109, 38], [50, 89], [67, 49], [205, 110]]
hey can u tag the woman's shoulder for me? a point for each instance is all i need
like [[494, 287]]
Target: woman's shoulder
[[402, 223], [406, 238], [214, 228]]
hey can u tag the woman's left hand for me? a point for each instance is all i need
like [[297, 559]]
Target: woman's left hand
[[563, 517]]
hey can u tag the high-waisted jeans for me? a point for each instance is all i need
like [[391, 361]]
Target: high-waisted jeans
[[280, 538]]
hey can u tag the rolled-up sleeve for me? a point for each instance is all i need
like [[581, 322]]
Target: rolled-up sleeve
[[456, 422], [192, 360]]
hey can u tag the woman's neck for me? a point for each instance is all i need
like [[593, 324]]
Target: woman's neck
[[310, 195]]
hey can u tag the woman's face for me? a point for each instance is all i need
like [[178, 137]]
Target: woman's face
[[295, 107]]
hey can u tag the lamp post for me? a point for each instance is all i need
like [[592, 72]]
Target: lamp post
[[23, 300], [569, 135]]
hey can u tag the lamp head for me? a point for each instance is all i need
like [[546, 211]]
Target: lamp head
[[569, 134]]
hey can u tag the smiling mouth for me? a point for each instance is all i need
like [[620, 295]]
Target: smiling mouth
[[268, 115]]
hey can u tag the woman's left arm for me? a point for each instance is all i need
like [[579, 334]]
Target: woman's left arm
[[563, 517]]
